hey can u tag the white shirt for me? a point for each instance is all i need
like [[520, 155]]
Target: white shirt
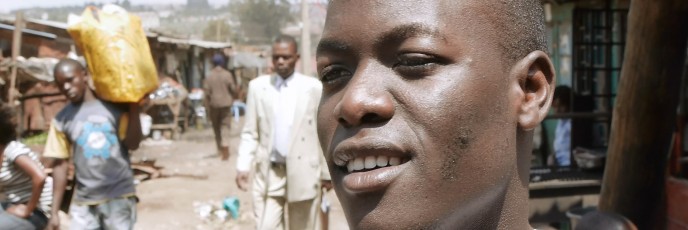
[[285, 103], [562, 142]]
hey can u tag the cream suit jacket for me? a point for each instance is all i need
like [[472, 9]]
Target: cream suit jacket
[[305, 162]]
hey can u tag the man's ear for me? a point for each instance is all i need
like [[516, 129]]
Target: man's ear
[[536, 80]]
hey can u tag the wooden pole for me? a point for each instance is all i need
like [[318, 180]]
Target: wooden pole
[[217, 30], [16, 50], [644, 112], [305, 38]]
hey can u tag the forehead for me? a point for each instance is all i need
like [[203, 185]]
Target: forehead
[[454, 19], [283, 48], [67, 72]]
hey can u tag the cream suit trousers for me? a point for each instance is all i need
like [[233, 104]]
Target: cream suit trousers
[[269, 209]]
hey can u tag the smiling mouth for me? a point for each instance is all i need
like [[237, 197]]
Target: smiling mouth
[[370, 163], [372, 173], [362, 164]]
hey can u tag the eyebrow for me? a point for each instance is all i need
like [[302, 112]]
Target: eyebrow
[[406, 31], [331, 45], [396, 34]]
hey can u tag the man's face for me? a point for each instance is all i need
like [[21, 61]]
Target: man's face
[[72, 83], [418, 117], [284, 58]]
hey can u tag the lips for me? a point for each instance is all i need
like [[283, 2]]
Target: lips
[[369, 166]]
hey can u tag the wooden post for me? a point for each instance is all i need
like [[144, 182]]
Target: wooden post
[[217, 30], [644, 112], [16, 50], [305, 38]]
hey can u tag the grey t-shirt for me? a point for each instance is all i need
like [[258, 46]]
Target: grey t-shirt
[[90, 132]]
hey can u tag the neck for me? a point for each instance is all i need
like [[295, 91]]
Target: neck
[[515, 211], [287, 76], [89, 95], [516, 205], [505, 207]]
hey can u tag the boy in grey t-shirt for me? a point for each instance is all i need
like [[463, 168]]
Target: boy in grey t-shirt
[[97, 135]]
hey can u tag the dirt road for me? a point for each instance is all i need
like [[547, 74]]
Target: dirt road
[[175, 201]]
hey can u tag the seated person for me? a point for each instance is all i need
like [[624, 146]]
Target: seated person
[[26, 188], [562, 135], [428, 108]]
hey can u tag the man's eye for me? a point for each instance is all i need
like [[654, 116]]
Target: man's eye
[[334, 74], [415, 64]]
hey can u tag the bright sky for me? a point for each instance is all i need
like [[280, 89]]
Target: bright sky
[[8, 5]]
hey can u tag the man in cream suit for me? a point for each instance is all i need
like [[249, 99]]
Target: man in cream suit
[[280, 141]]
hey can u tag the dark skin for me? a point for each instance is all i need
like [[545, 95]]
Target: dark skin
[[72, 80], [424, 82], [284, 59]]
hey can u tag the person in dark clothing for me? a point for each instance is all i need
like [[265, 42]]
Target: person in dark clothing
[[220, 93]]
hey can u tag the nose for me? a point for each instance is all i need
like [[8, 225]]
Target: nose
[[365, 102]]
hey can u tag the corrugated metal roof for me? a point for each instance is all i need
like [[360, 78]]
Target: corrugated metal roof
[[30, 31], [54, 24], [210, 45], [63, 26], [194, 42]]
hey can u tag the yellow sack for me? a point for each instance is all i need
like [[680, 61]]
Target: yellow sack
[[117, 53]]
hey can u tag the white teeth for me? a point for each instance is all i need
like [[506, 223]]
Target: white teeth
[[394, 161], [370, 162], [358, 164], [382, 161]]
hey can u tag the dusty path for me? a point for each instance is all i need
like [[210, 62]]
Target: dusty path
[[172, 202]]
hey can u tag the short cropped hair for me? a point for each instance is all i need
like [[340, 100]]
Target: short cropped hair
[[68, 62], [563, 93], [287, 39], [8, 124], [523, 26], [219, 60]]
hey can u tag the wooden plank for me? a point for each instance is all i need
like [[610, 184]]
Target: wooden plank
[[556, 184], [644, 112], [16, 49]]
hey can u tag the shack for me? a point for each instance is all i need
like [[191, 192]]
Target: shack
[[586, 44], [43, 43], [590, 42]]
